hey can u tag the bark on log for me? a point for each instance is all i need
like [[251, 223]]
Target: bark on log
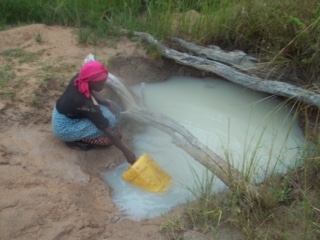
[[237, 59], [229, 73]]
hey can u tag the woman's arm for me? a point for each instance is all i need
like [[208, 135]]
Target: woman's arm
[[101, 100], [131, 158], [105, 102]]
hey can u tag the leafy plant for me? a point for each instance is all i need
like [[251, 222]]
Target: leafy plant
[[84, 35], [38, 37]]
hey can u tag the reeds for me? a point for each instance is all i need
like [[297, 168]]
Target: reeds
[[286, 207], [283, 33]]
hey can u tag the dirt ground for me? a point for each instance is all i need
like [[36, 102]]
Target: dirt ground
[[49, 191]]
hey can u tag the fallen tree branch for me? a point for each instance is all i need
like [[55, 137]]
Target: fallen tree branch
[[231, 74], [237, 59]]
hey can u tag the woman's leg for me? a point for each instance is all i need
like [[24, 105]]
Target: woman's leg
[[82, 133], [102, 141], [79, 145]]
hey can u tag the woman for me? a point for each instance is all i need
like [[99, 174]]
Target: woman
[[82, 119]]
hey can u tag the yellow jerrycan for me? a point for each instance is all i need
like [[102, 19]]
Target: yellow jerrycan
[[147, 174]]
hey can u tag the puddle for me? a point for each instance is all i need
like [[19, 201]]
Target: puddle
[[231, 120]]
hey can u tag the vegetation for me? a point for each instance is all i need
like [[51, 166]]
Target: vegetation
[[285, 34], [287, 207], [8, 78]]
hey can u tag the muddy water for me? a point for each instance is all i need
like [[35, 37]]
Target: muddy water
[[256, 132]]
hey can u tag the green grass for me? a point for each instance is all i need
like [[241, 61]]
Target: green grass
[[283, 33], [55, 74], [84, 35], [38, 37], [283, 210], [47, 77], [20, 55], [7, 79]]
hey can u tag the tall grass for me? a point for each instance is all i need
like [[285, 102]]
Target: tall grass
[[288, 205], [284, 32], [287, 208]]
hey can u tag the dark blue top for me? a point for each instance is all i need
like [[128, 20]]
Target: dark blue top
[[76, 105]]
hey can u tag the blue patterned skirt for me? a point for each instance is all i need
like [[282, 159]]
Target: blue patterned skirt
[[70, 130]]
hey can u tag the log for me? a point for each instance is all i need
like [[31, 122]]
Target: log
[[226, 71], [237, 59]]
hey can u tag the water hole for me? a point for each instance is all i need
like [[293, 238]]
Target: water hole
[[258, 133]]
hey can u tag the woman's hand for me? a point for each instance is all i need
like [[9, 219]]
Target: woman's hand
[[101, 100], [131, 158]]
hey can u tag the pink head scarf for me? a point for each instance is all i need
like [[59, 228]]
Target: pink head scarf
[[92, 71]]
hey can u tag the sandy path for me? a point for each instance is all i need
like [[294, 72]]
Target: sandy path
[[49, 191]]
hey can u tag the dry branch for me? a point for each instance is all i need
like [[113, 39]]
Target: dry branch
[[237, 59], [231, 74]]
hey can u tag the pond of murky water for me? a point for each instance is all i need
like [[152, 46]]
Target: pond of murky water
[[255, 131]]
